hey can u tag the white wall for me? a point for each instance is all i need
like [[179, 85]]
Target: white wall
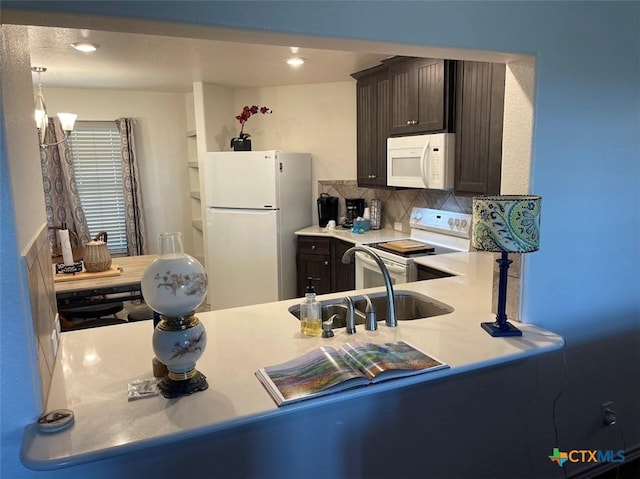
[[161, 145], [22, 209], [517, 132], [319, 119]]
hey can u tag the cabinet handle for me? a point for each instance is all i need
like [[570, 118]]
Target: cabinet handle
[[372, 176], [313, 246], [412, 122], [326, 263]]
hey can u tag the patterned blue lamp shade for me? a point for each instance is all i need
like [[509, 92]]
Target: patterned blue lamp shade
[[505, 224]]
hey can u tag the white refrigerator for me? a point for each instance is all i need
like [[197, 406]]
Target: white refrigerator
[[254, 203]]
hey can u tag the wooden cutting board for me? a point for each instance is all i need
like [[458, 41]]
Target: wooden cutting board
[[62, 277], [406, 246]]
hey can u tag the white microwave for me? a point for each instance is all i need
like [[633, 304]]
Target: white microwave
[[421, 161]]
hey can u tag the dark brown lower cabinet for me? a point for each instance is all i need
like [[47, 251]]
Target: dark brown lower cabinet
[[320, 258], [344, 275]]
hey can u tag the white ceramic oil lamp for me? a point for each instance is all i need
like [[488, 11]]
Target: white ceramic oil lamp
[[174, 285]]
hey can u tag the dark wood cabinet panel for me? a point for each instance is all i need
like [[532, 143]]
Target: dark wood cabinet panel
[[479, 116], [314, 260], [421, 96], [344, 275], [320, 258], [318, 267], [314, 245], [372, 129]]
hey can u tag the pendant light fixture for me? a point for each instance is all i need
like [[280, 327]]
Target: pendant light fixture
[[67, 120]]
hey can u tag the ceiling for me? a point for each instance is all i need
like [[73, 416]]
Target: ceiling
[[135, 61]]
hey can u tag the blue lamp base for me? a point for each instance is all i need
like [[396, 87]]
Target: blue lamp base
[[501, 327], [500, 330]]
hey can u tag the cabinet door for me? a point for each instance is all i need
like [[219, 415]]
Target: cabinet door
[[344, 275], [420, 91], [479, 115], [372, 129], [318, 267]]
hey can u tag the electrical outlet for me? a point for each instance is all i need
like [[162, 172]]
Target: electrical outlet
[[609, 416], [397, 226]]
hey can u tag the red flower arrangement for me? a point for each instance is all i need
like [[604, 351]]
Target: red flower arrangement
[[242, 141], [246, 113]]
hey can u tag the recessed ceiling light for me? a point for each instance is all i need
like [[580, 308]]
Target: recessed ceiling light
[[295, 61], [85, 46]]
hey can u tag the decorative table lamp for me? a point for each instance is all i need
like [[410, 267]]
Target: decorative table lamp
[[174, 285], [505, 224]]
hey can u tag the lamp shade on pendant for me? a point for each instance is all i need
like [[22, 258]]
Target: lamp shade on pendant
[[67, 120], [506, 223]]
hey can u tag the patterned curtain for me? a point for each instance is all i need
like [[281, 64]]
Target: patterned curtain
[[62, 202], [136, 235]]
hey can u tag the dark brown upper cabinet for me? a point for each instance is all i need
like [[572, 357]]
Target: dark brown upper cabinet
[[422, 92], [372, 98], [478, 127]]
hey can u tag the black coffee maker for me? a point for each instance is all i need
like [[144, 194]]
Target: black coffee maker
[[327, 209], [355, 209]]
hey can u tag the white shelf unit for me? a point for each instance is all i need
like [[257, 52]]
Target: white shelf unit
[[194, 196]]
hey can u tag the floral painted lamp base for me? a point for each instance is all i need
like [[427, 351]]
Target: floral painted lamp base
[[179, 343], [174, 285]]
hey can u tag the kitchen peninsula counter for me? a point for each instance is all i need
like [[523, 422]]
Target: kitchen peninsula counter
[[93, 368]]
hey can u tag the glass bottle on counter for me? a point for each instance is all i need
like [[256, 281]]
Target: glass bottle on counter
[[310, 312]]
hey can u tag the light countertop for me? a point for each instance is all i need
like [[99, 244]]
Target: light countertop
[[371, 236], [94, 366]]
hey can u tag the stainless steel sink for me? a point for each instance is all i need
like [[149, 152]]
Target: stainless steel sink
[[331, 308], [409, 306]]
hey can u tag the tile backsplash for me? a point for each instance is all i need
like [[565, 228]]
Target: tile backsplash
[[396, 207], [396, 204], [37, 260]]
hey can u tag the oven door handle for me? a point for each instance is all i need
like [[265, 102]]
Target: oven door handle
[[391, 267]]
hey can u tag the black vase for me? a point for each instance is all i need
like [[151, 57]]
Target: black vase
[[241, 143]]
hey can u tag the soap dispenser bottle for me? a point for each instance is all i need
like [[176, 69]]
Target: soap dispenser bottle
[[310, 312]]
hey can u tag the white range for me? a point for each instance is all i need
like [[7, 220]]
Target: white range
[[433, 232]]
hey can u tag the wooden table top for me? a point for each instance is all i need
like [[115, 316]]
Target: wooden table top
[[132, 269]]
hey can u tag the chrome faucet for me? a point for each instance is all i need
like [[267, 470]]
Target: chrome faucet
[[391, 316], [351, 315], [370, 323]]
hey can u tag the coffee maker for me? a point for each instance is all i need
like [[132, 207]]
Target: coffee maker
[[355, 209], [327, 209]]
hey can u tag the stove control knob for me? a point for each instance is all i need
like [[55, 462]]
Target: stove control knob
[[457, 222], [417, 217], [464, 223], [450, 221]]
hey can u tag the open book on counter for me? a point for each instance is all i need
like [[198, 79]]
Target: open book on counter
[[327, 370]]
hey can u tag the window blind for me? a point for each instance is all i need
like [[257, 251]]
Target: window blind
[[95, 149]]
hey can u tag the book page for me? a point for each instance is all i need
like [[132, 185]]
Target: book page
[[375, 359], [319, 371]]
